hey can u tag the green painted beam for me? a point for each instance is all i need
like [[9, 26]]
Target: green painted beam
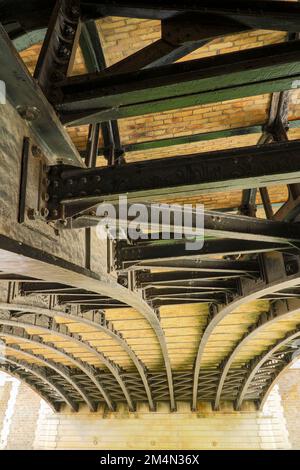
[[93, 98], [22, 43], [192, 138]]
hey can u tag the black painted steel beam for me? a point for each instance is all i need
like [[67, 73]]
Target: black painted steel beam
[[279, 15], [185, 267], [93, 98], [276, 15], [156, 251], [242, 168]]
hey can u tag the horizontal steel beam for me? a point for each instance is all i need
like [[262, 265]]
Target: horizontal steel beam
[[241, 168], [211, 269], [259, 14], [92, 98], [256, 14], [134, 254], [215, 224]]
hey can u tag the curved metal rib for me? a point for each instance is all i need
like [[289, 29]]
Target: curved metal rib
[[259, 362], [101, 325], [278, 310], [86, 369], [14, 332], [61, 271], [58, 368], [255, 290], [47, 325], [15, 372], [280, 372], [41, 375]]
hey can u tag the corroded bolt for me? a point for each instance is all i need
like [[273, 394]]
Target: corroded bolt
[[36, 151], [44, 212], [69, 31], [28, 113], [33, 214], [63, 51], [63, 222]]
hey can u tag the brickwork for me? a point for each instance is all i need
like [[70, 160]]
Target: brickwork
[[5, 390], [24, 419], [289, 386]]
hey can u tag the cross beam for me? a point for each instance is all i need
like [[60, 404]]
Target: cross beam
[[278, 15], [76, 190], [93, 98]]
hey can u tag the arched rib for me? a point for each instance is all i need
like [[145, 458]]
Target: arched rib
[[15, 373], [41, 375], [259, 289], [58, 368], [278, 310], [85, 368], [24, 259], [268, 390], [49, 326], [259, 362], [101, 325]]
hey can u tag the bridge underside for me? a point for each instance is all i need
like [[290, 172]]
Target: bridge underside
[[202, 109]]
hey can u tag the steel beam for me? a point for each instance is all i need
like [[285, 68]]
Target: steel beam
[[58, 368], [7, 328], [278, 15], [258, 363], [179, 36], [94, 59], [78, 190], [56, 59], [187, 279], [17, 373], [21, 259], [259, 14], [43, 324], [274, 280], [46, 378], [93, 98], [210, 268], [215, 224], [26, 96], [98, 322], [135, 254], [278, 311], [279, 372]]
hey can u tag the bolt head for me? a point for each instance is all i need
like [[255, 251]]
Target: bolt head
[[28, 113]]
